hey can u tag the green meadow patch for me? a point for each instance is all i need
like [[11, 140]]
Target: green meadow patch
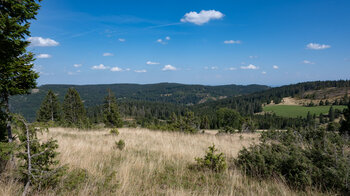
[[295, 110]]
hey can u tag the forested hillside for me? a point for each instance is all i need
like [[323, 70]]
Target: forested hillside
[[162, 93], [252, 103]]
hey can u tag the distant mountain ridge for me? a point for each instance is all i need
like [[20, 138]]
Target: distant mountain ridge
[[161, 92]]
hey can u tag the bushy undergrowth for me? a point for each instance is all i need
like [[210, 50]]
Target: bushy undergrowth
[[120, 144], [213, 160], [302, 158], [114, 131]]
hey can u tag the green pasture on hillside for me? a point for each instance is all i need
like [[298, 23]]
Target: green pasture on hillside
[[295, 111]]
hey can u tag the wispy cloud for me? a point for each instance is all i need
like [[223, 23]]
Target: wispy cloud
[[315, 46], [116, 69], [141, 71], [214, 67], [232, 68], [77, 65], [107, 54], [250, 66], [151, 63], [308, 62], [202, 17], [42, 42], [43, 56], [121, 40], [161, 41], [253, 57], [169, 68], [99, 67], [264, 72], [232, 42], [275, 67]]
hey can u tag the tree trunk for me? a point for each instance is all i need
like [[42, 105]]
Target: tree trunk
[[8, 119]]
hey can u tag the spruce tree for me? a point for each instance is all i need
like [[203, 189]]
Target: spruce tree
[[49, 109], [345, 124], [73, 109], [331, 114], [16, 68], [110, 111]]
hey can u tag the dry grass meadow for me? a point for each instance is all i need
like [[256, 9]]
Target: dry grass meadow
[[152, 163]]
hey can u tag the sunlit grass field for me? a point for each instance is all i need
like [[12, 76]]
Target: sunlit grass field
[[296, 111], [152, 163]]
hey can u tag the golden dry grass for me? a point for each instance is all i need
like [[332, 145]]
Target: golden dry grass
[[152, 163]]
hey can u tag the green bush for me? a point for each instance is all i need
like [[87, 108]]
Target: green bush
[[120, 144], [75, 179], [213, 161], [303, 158], [114, 131]]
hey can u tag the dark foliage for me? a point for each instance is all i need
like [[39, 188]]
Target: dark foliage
[[303, 158]]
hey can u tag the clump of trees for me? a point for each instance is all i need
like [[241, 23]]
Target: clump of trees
[[72, 113]]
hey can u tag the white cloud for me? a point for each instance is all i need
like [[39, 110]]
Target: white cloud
[[264, 72], [167, 38], [253, 57], [206, 67], [315, 46], [70, 73], [116, 69], [250, 66], [169, 68], [308, 62], [141, 71], [214, 67], [43, 56], [121, 40], [127, 69], [275, 67], [42, 42], [202, 17], [107, 54], [232, 68], [232, 42], [77, 65], [151, 63], [159, 40], [99, 67]]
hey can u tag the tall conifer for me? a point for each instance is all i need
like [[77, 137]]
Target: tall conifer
[[49, 109], [73, 109], [111, 112]]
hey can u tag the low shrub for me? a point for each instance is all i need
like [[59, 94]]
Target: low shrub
[[75, 178], [213, 161], [302, 158], [120, 144], [114, 131]]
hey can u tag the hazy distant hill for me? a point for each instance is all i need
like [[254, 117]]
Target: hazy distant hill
[[162, 92]]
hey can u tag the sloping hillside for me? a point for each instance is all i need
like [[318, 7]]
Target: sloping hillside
[[163, 92]]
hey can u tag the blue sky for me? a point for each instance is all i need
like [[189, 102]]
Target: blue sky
[[272, 42]]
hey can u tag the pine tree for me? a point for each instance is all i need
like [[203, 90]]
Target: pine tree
[[49, 109], [111, 112], [37, 160], [73, 109], [16, 68], [321, 119], [345, 124], [331, 114]]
